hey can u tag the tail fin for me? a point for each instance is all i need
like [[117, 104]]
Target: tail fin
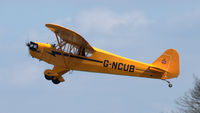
[[169, 63]]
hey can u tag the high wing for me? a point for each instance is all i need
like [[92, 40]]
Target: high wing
[[69, 36]]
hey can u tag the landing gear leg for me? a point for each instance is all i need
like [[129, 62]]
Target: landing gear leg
[[169, 83]]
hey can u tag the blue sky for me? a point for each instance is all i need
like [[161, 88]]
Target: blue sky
[[137, 29]]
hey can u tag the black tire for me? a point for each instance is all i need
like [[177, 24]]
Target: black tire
[[55, 81], [48, 77], [170, 85]]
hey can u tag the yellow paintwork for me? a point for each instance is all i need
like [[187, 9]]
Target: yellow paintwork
[[70, 36], [165, 67]]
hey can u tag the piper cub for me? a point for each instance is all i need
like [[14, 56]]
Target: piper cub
[[73, 52]]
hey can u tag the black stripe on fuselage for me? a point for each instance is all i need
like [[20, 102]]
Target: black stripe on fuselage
[[54, 53]]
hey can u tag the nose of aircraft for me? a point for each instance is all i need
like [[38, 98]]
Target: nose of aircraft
[[36, 46], [37, 49], [32, 46]]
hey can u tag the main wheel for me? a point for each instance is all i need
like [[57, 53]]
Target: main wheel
[[48, 77], [55, 81]]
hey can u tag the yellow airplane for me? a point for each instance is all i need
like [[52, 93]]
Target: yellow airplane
[[73, 52]]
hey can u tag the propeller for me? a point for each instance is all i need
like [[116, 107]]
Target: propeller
[[27, 43]]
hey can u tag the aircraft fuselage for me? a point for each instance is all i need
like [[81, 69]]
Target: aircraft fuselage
[[100, 61]]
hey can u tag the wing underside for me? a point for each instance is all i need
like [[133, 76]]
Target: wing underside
[[69, 36]]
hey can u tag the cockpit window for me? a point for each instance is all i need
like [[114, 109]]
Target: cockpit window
[[81, 51], [74, 49], [84, 52]]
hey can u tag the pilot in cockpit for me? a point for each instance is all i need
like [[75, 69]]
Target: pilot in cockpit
[[81, 51]]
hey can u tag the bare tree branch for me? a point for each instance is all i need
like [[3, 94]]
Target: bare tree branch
[[190, 102]]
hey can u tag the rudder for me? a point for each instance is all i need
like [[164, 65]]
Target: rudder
[[169, 62]]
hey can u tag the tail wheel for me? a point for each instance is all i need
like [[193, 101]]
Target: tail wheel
[[55, 81], [170, 85], [48, 77]]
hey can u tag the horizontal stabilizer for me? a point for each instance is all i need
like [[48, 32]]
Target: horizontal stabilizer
[[155, 69]]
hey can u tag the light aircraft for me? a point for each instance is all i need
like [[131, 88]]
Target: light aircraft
[[73, 52]]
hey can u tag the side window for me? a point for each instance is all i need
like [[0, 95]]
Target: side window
[[81, 51], [84, 52], [88, 54], [74, 49]]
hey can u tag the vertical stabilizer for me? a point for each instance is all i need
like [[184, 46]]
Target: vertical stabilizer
[[169, 62]]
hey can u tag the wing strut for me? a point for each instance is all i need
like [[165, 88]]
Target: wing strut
[[60, 47]]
